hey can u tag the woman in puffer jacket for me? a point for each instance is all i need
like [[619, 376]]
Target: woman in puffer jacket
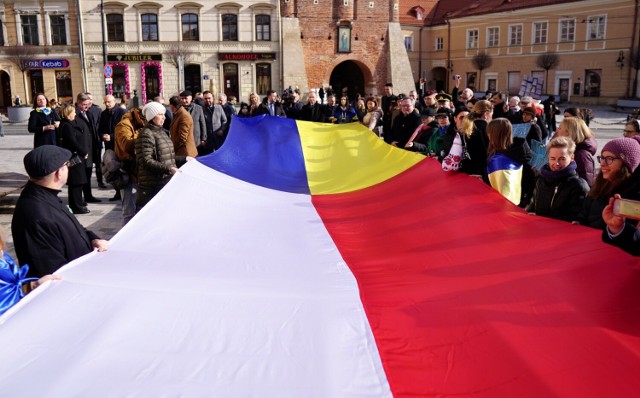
[[155, 158], [559, 191]]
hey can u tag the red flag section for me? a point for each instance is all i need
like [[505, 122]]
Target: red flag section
[[467, 295]]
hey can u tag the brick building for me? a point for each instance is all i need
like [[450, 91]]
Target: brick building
[[353, 45]]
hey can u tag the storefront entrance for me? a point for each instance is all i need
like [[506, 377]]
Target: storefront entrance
[[5, 89]]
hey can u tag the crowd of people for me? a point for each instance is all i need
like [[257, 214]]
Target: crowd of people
[[490, 138]]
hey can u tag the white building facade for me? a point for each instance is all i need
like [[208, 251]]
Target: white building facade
[[164, 47]]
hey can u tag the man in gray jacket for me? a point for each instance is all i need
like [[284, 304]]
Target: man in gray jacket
[[199, 124], [216, 119]]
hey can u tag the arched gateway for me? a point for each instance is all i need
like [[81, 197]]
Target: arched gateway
[[348, 77]]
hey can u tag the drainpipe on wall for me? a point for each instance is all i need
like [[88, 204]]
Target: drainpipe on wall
[[281, 63], [420, 57], [448, 78], [635, 62], [81, 47]]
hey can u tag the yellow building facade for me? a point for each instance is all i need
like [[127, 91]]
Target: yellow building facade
[[587, 46]]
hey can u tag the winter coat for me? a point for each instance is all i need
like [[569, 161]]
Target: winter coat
[[46, 234], [628, 239], [559, 194], [371, 119], [126, 134], [199, 124], [584, 159], [215, 119], [402, 128], [181, 133], [313, 113], [108, 121], [37, 121], [75, 139], [154, 160], [477, 146]]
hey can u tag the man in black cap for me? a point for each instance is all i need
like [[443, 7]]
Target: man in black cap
[[46, 234]]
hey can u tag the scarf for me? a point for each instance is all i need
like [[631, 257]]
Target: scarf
[[559, 175]]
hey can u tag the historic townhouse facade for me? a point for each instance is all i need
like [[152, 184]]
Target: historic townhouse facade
[[163, 47], [38, 50], [594, 43]]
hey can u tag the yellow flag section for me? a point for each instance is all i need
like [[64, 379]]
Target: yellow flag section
[[347, 157]]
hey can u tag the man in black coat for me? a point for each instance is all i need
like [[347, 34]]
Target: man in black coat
[[271, 106], [388, 99], [94, 113], [312, 111], [109, 118], [85, 121], [403, 125], [46, 234]]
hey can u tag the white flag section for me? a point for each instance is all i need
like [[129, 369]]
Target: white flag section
[[217, 288]]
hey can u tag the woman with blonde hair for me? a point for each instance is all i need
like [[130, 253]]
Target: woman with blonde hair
[[559, 191], [254, 104], [586, 145], [507, 155], [477, 142]]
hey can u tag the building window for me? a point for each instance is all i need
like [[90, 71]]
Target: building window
[[472, 39], [567, 30], [63, 85], [493, 37], [408, 43], [190, 27], [592, 82], [229, 27], [263, 78], [29, 29], [439, 43], [515, 35], [58, 30], [1, 34], [149, 27], [539, 33], [115, 27], [263, 27], [596, 27]]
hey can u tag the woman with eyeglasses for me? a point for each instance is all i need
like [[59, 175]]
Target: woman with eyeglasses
[[586, 145], [632, 128], [618, 160]]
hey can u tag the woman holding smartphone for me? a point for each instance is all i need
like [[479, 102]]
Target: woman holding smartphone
[[618, 160], [620, 232]]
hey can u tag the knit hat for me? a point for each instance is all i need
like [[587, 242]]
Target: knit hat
[[152, 109], [627, 149], [44, 160]]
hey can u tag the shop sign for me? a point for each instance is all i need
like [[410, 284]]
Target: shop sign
[[134, 57], [246, 56], [46, 63]]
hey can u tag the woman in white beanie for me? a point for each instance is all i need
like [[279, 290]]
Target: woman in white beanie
[[155, 157]]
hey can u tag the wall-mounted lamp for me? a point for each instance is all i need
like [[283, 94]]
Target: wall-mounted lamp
[[329, 38], [620, 60], [356, 36], [301, 36], [218, 66], [382, 38]]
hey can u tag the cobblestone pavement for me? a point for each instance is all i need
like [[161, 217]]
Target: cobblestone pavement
[[105, 217]]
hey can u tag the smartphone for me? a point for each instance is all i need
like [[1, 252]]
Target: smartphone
[[627, 208], [456, 77]]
